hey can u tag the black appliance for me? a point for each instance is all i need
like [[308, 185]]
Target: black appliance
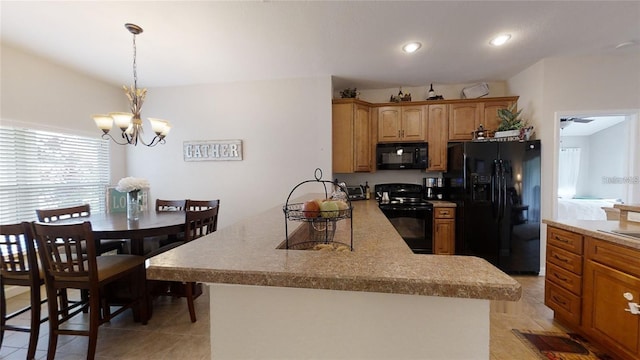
[[496, 186], [400, 156], [355, 193], [409, 214]]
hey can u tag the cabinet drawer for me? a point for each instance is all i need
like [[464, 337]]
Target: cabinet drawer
[[615, 256], [444, 213], [565, 279], [565, 304], [564, 259], [565, 239]]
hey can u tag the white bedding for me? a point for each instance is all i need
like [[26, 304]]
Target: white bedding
[[583, 209]]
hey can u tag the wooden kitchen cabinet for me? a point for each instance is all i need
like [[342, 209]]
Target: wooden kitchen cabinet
[[463, 118], [437, 128], [466, 117], [351, 138], [401, 123], [611, 271], [490, 119], [563, 282], [444, 230]]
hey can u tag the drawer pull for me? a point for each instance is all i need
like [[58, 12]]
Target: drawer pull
[[560, 258], [559, 301], [560, 277], [561, 239]]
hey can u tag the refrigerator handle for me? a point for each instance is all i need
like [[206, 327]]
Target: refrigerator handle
[[495, 190], [503, 201], [500, 177]]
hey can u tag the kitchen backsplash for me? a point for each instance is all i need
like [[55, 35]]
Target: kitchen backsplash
[[386, 176]]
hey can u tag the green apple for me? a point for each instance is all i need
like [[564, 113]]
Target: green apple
[[329, 209]]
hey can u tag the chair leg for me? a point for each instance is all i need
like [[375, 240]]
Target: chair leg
[[35, 322], [94, 322], [52, 305], [3, 312], [190, 287]]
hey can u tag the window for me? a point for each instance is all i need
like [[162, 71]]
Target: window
[[40, 169]]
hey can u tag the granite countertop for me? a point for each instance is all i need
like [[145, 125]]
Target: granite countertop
[[600, 229], [245, 253]]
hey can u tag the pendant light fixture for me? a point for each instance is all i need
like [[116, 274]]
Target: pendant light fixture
[[130, 123]]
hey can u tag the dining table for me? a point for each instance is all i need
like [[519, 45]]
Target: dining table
[[151, 223]]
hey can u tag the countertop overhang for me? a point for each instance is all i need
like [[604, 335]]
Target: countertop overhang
[[246, 253]]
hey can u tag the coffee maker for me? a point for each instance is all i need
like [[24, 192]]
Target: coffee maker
[[433, 188]]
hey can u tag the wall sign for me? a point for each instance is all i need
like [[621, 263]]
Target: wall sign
[[212, 150]]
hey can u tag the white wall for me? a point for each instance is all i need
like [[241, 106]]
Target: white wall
[[581, 142], [39, 94], [609, 156], [573, 84], [285, 126]]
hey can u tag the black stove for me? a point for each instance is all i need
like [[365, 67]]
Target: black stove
[[409, 213]]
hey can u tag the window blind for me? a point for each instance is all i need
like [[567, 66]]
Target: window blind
[[40, 169]]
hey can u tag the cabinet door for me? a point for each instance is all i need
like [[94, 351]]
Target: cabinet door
[[412, 126], [464, 119], [604, 316], [361, 138], [389, 123], [443, 236], [490, 119], [342, 138], [437, 128]]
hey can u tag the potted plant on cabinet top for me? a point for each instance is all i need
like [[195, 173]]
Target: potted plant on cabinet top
[[510, 122]]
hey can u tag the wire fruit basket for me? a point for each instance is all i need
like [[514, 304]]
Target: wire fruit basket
[[328, 221]]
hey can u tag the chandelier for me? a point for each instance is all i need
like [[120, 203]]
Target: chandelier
[[130, 123]]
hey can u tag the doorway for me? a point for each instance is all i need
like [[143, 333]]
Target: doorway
[[597, 163]]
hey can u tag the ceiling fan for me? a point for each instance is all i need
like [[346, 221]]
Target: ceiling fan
[[564, 122]]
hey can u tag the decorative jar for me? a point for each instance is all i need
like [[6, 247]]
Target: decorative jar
[[134, 204]]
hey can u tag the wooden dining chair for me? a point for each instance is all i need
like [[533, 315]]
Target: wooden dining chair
[[51, 215], [58, 246], [19, 267], [170, 205], [195, 205], [197, 224]]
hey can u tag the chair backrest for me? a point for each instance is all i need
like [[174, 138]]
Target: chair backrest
[[200, 223], [195, 205], [58, 246], [18, 259], [51, 215], [170, 205]]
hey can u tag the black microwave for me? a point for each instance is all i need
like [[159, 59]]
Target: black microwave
[[400, 156]]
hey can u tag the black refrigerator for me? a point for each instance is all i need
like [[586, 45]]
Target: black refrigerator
[[496, 187]]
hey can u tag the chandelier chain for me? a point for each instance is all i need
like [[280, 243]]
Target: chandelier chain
[[135, 65]]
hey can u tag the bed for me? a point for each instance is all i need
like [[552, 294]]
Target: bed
[[584, 209]]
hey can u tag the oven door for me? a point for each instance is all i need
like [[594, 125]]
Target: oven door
[[414, 224]]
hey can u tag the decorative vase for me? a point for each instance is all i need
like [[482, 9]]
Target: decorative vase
[[134, 202]]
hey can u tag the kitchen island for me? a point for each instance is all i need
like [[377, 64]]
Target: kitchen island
[[378, 301]]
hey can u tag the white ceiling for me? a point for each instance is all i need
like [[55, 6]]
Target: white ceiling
[[357, 42], [599, 123]]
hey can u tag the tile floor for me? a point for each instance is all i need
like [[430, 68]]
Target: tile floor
[[170, 334]]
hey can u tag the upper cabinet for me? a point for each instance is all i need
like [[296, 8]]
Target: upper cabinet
[[351, 138], [466, 117], [437, 127], [401, 123]]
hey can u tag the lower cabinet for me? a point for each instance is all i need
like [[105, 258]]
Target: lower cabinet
[[444, 231], [588, 290], [605, 315]]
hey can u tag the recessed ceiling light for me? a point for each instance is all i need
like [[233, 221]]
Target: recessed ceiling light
[[626, 44], [500, 40], [411, 47]]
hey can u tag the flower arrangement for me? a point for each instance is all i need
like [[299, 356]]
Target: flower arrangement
[[129, 184]]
